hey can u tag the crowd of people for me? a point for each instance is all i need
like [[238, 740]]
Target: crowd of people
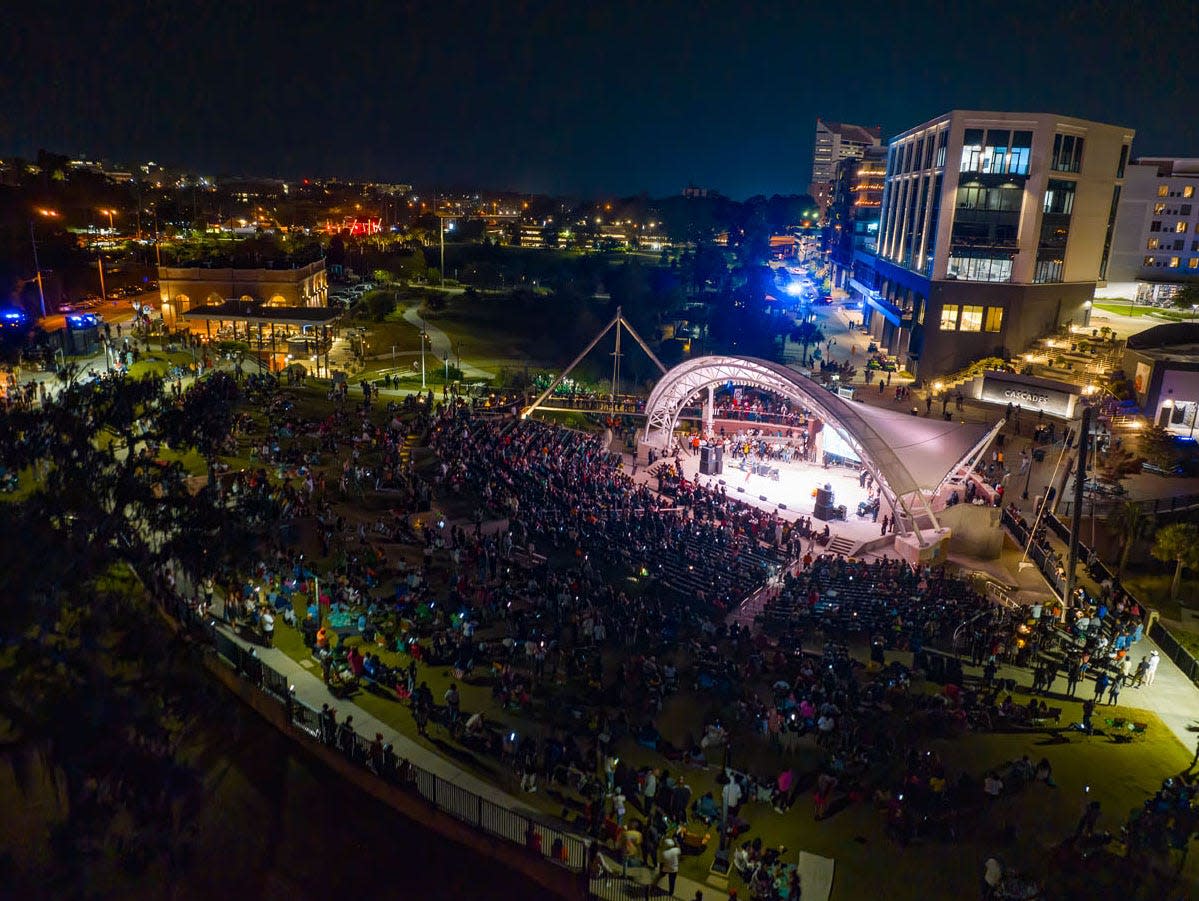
[[589, 646]]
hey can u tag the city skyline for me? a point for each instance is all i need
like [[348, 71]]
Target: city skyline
[[616, 100]]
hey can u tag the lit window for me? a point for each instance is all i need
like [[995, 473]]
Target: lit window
[[1193, 263], [1188, 191], [1173, 262], [994, 321], [1180, 228], [949, 317], [1153, 244], [972, 319], [1158, 209], [1163, 190], [1148, 261]]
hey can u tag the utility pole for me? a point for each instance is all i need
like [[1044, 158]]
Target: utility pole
[[41, 291], [1080, 480]]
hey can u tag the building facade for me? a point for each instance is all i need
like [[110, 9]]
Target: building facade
[[837, 141], [185, 287], [1156, 245], [854, 212], [994, 229], [1163, 363]]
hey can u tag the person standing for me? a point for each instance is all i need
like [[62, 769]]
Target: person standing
[[668, 864], [1113, 693], [1072, 677], [649, 792], [1151, 671]]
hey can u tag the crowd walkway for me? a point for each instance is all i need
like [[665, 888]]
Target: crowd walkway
[[311, 691]]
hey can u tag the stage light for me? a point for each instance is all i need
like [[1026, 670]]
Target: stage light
[[795, 289]]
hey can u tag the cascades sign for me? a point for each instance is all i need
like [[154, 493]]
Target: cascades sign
[[1037, 395]]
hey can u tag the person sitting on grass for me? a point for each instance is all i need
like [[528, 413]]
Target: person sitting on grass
[[1044, 773], [706, 809], [993, 785]]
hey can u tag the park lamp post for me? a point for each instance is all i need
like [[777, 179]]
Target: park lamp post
[[423, 336]]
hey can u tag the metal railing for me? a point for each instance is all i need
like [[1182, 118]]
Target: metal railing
[[1153, 505], [518, 828], [1171, 648], [1044, 560]]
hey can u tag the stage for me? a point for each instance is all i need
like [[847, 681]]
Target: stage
[[794, 488]]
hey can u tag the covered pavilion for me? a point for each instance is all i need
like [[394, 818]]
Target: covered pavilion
[[910, 457]]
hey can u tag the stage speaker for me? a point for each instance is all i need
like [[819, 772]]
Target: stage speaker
[[824, 497], [761, 497], [824, 512], [782, 506], [740, 490], [711, 460]]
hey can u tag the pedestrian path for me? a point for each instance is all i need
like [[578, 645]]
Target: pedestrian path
[[310, 689], [440, 343]]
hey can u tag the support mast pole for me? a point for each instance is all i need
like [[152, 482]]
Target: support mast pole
[[616, 358], [1080, 481]]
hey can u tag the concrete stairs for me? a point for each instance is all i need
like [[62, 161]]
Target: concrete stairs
[[841, 545]]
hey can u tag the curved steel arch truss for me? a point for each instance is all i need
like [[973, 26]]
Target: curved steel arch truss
[[683, 382]]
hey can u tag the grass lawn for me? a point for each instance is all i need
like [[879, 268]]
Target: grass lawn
[[1022, 828], [1123, 308], [486, 332], [159, 362]]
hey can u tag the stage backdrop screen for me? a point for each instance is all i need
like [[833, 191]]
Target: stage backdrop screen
[[835, 444]]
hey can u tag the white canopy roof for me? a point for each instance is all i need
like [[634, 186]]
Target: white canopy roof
[[908, 452]]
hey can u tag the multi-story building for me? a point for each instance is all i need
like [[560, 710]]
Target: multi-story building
[[284, 284], [532, 235], [854, 212], [1156, 244], [836, 141], [995, 228]]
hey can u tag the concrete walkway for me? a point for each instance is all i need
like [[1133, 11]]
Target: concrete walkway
[[311, 691], [440, 343]]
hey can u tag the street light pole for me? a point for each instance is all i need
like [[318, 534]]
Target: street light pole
[[423, 386], [441, 271]]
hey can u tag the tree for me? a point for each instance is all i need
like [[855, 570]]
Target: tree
[[1117, 464], [1186, 297], [92, 691], [1158, 447], [1177, 544], [1130, 521], [806, 334]]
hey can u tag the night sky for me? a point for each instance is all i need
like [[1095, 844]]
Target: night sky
[[592, 98]]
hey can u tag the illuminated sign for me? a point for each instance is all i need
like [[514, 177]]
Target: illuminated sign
[[1029, 394], [355, 226]]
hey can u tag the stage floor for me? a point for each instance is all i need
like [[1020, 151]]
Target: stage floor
[[795, 486]]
